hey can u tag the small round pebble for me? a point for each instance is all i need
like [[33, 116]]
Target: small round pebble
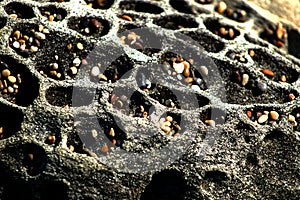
[[5, 73], [79, 46], [274, 115], [245, 79], [262, 119]]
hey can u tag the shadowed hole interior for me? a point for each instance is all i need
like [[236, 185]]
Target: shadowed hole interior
[[140, 6], [35, 159], [176, 22], [215, 176], [21, 10]]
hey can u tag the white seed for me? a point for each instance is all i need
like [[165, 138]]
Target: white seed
[[262, 119], [76, 61], [245, 79], [74, 70], [16, 44], [10, 89], [46, 31], [204, 70], [95, 71], [40, 36], [178, 67]]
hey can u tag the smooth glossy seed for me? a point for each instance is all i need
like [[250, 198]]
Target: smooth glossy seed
[[112, 132], [268, 72], [16, 44], [5, 73], [169, 118], [245, 79], [222, 6], [12, 79], [291, 96], [79, 46], [262, 119], [10, 89], [249, 114], [274, 115], [204, 70]]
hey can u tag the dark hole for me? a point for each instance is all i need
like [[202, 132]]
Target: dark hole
[[59, 13], [293, 41], [252, 159], [54, 190], [274, 135], [176, 22], [215, 176], [16, 189], [23, 11], [165, 185], [141, 7], [181, 6], [35, 159], [3, 22], [10, 121]]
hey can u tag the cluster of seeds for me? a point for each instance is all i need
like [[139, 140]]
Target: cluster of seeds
[[249, 82], [9, 84], [183, 71], [132, 39], [126, 17], [2, 135], [169, 126], [275, 35], [226, 32], [52, 14], [120, 102], [269, 73], [213, 122], [239, 15], [90, 26], [238, 57], [28, 43], [96, 73], [263, 117]]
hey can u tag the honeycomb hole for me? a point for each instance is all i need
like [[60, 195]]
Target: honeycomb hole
[[225, 31], [181, 6], [52, 13], [35, 159], [215, 176], [10, 121], [176, 22], [140, 6], [3, 22], [21, 10], [100, 4]]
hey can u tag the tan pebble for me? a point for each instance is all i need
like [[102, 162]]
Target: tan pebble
[[30, 156], [204, 70], [22, 42], [186, 72], [69, 46], [280, 31], [283, 78], [131, 37], [33, 48], [166, 129], [291, 96], [105, 148], [73, 70], [15, 16], [112, 132], [251, 53], [15, 86], [51, 18], [1, 85], [167, 123], [40, 36], [267, 72], [41, 27], [169, 118], [231, 33], [291, 118], [177, 127], [114, 141], [178, 67], [274, 115], [189, 80], [53, 73], [245, 79], [222, 6], [4, 91], [12, 79], [262, 119], [223, 31], [210, 122], [79, 46], [5, 73], [17, 34], [46, 31], [102, 77], [19, 78], [1, 130], [71, 148]]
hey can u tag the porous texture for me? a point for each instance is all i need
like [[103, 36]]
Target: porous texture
[[249, 160]]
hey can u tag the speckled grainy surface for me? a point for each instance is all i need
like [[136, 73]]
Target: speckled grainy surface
[[249, 160]]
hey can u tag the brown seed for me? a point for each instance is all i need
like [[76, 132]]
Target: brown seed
[[274, 115], [51, 18], [114, 141], [5, 73], [186, 72], [126, 17], [223, 31], [210, 122], [280, 31], [189, 80], [12, 79], [283, 78], [96, 23], [131, 36], [268, 72], [291, 96], [186, 65], [51, 139], [53, 73], [251, 53], [105, 148], [177, 127], [33, 48], [145, 114], [204, 70], [249, 114], [231, 33], [222, 6], [69, 46], [79, 46], [112, 132], [17, 34]]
